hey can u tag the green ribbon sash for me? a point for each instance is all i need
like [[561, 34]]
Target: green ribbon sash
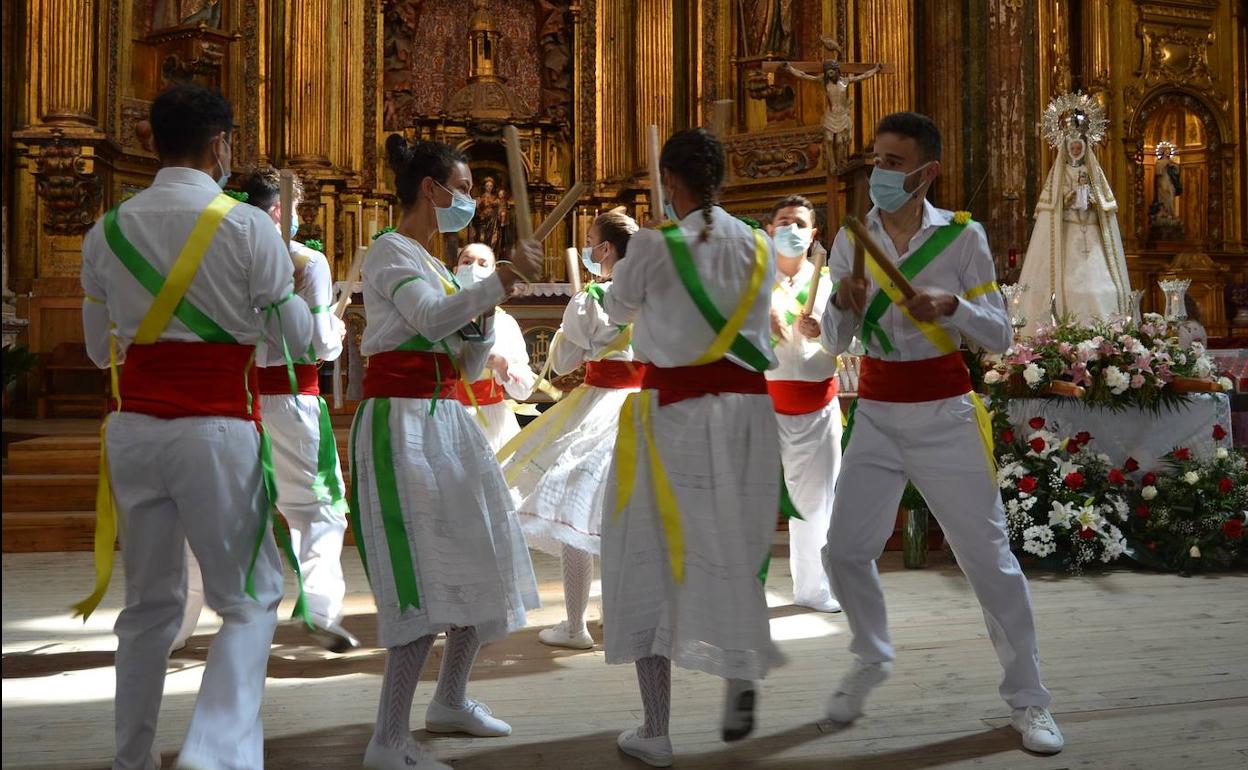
[[391, 509]]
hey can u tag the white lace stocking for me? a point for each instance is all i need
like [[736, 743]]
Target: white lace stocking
[[398, 685], [578, 577], [462, 645], [654, 675]]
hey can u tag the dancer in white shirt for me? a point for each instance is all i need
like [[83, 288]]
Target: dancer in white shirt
[[694, 487], [436, 523], [181, 282], [803, 390], [917, 418], [559, 463], [507, 373], [310, 490]]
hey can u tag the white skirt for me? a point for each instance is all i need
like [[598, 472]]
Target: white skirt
[[559, 472], [498, 422], [722, 459], [470, 561]]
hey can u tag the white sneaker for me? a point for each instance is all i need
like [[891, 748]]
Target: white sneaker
[[828, 605], [1039, 730], [739, 700], [474, 718], [656, 752], [332, 637], [560, 636], [846, 703], [412, 757]]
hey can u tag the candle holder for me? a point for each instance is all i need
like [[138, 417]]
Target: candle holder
[[1176, 293], [1013, 293], [1137, 296]]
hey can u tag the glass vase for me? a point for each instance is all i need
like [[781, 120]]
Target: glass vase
[[1175, 290], [1013, 293], [1137, 296]]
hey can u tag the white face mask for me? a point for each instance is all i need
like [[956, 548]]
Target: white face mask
[[467, 275], [792, 240], [587, 259], [455, 217]]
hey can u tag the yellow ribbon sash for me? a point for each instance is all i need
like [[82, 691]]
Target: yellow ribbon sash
[[728, 334]]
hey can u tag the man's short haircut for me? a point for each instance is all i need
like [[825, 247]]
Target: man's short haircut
[[790, 201], [185, 117], [918, 127]]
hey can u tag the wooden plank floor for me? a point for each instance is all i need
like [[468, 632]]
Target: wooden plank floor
[[1147, 671]]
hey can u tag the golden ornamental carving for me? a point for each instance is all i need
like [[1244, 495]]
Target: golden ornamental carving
[[1190, 261], [67, 182], [775, 155]]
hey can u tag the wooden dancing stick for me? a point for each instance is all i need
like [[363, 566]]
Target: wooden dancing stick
[[574, 270], [560, 211], [353, 275], [519, 188], [877, 253], [656, 187], [721, 118], [858, 208], [286, 195], [820, 261]]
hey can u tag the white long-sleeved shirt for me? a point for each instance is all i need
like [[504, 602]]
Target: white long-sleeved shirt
[[963, 268], [800, 358], [585, 333], [509, 345], [317, 292], [245, 269], [404, 296], [668, 329]]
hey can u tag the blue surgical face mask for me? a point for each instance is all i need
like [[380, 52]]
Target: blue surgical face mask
[[793, 240], [224, 179], [587, 259], [670, 212], [294, 224], [456, 216], [888, 188]]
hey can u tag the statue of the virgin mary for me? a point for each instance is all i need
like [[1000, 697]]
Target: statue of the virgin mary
[[1075, 266]]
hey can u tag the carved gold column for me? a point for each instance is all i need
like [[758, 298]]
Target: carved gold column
[[62, 35], [312, 37], [1052, 49], [885, 34], [1007, 140], [616, 117], [941, 54], [350, 152], [653, 73]]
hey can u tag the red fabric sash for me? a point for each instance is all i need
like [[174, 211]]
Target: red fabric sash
[[801, 396], [616, 375], [190, 379], [275, 381], [678, 383], [405, 374], [912, 382], [486, 392]]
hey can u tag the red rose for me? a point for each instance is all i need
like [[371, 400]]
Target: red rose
[[1037, 445], [1074, 480], [1083, 437], [1142, 511], [1086, 534], [1027, 484], [1131, 465], [1036, 423], [1007, 436], [1116, 478], [1072, 445], [1149, 479], [1183, 453], [1225, 486], [1233, 528], [1219, 433]]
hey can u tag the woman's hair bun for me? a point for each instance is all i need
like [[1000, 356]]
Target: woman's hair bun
[[398, 152]]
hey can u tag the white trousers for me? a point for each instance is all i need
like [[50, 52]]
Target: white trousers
[[810, 450], [316, 528], [193, 480], [936, 444]]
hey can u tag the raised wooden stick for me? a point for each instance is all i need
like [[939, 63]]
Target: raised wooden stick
[[574, 270], [286, 196], [353, 275], [560, 211], [519, 188], [858, 208], [820, 261], [721, 118], [656, 187], [877, 253]]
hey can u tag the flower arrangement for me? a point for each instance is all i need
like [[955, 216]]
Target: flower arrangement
[[1189, 515], [1071, 507], [1114, 364]]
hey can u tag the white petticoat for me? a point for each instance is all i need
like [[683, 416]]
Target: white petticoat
[[471, 564], [561, 486], [722, 458], [498, 422]]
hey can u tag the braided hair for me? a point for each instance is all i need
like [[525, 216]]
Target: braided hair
[[411, 163], [696, 157]]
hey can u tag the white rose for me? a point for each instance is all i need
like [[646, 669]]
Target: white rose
[[1194, 553], [1033, 374], [992, 377], [1116, 380], [1225, 383], [1191, 477], [1222, 454], [1148, 492], [1204, 367]]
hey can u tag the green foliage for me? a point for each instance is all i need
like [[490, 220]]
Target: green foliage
[[18, 361]]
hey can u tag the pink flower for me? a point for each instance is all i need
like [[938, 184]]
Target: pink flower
[[1078, 373], [1143, 363], [1137, 381], [1163, 373], [1022, 356]]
